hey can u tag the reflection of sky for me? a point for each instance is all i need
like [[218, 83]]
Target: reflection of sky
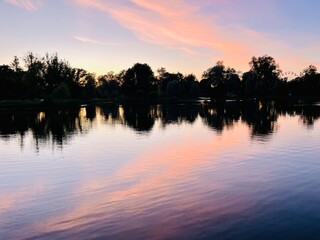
[[175, 181], [187, 36]]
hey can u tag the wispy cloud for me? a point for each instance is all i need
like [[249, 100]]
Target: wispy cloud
[[30, 5], [96, 42], [182, 25], [173, 24], [208, 29]]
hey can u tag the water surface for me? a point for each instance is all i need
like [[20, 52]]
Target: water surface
[[188, 171]]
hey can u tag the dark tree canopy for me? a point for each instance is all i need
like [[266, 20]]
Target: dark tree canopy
[[220, 81], [263, 77], [49, 77], [138, 80], [308, 84]]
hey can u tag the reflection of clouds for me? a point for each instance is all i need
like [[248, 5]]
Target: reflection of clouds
[[16, 199], [176, 186], [161, 184]]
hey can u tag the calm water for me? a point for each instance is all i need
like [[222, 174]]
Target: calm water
[[232, 171]]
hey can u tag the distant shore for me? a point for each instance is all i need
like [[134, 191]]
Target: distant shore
[[41, 103]]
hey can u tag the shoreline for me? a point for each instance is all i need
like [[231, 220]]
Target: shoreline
[[36, 104]]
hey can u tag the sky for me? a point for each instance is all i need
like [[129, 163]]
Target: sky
[[188, 36]]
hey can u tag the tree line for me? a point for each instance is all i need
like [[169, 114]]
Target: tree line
[[50, 77]]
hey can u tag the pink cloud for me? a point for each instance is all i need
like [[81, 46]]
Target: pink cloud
[[179, 25], [30, 5], [170, 24]]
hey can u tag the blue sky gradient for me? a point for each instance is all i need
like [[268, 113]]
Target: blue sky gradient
[[182, 35]]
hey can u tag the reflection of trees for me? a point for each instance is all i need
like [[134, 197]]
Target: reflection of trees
[[179, 113], [140, 118], [113, 114], [91, 112], [14, 123], [308, 114], [261, 117], [58, 126], [220, 115]]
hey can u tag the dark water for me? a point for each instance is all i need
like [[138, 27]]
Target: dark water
[[192, 171]]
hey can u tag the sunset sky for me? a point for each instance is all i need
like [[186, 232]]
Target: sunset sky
[[181, 35]]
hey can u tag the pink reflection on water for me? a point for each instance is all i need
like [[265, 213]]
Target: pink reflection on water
[[169, 186], [160, 189]]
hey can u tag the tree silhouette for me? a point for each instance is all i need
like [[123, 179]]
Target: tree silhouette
[[138, 80], [108, 86], [90, 86], [49, 78], [190, 86], [7, 82], [220, 81], [307, 84], [170, 83], [34, 77], [15, 65], [263, 77]]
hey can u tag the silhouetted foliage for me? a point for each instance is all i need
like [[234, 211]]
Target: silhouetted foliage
[[43, 77], [108, 86], [190, 87], [61, 91], [49, 77], [177, 85], [7, 82], [308, 84], [263, 78], [220, 82], [138, 80]]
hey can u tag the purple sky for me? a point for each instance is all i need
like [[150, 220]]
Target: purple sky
[[181, 35]]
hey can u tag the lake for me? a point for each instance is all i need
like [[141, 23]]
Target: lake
[[230, 170]]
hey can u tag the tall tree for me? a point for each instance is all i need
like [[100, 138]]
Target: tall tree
[[138, 78], [34, 78], [220, 81], [263, 77], [15, 64]]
